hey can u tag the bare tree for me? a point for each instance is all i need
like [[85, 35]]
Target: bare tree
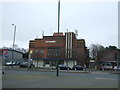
[[96, 52], [95, 49]]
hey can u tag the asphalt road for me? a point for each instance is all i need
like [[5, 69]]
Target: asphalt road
[[38, 79]]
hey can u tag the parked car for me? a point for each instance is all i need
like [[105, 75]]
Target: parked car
[[116, 68], [10, 63], [77, 67], [64, 67], [24, 64], [32, 65], [17, 63], [106, 67]]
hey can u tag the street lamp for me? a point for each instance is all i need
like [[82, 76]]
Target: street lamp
[[58, 37], [13, 41]]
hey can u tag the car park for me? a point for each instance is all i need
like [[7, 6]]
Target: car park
[[77, 67], [64, 67]]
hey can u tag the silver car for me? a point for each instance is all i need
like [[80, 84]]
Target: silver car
[[116, 68]]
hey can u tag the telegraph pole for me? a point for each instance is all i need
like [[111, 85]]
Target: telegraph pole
[[58, 37]]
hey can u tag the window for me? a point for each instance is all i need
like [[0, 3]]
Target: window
[[41, 51], [47, 62], [36, 51]]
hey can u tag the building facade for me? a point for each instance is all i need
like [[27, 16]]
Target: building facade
[[67, 49]]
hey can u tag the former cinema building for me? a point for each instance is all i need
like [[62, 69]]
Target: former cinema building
[[68, 50]]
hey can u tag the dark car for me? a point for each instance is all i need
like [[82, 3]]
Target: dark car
[[32, 65], [26, 64], [23, 64], [17, 63], [77, 67], [64, 67]]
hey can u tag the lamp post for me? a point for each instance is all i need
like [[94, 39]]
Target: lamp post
[[58, 38], [116, 59], [13, 41]]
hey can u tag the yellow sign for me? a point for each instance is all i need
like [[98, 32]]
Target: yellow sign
[[31, 51]]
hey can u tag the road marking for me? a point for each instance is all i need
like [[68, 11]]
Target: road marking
[[99, 73], [106, 78]]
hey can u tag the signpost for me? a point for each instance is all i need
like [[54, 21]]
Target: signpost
[[29, 58]]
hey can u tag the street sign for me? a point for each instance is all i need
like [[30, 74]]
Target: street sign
[[4, 51]]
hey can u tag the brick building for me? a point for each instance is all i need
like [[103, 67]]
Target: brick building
[[70, 50]]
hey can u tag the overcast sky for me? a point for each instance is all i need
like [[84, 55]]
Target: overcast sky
[[96, 22]]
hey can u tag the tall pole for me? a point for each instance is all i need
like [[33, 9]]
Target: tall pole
[[58, 37], [13, 42], [116, 59]]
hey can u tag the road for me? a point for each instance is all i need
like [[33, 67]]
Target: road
[[38, 79]]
